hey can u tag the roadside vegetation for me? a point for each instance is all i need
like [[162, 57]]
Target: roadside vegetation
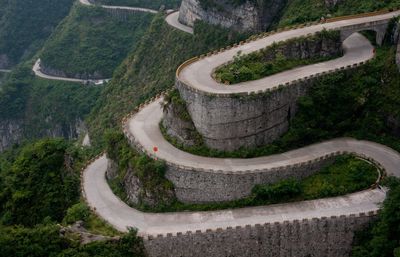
[[338, 105], [381, 238], [278, 57], [301, 11], [40, 190], [346, 175]]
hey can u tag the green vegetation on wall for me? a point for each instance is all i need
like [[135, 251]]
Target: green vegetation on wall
[[346, 175], [155, 189], [340, 104], [301, 11], [25, 25], [381, 239], [92, 41]]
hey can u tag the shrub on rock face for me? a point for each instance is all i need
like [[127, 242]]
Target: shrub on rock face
[[285, 189], [40, 184], [77, 212]]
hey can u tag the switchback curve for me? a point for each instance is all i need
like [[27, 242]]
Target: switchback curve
[[143, 130]]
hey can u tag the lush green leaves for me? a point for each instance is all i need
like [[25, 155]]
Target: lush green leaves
[[40, 186], [382, 239]]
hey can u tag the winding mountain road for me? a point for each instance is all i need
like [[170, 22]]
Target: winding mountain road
[[99, 196], [38, 72], [143, 128], [171, 19], [198, 74]]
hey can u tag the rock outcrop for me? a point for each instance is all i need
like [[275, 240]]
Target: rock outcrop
[[14, 131], [139, 191], [4, 61], [10, 133], [249, 16], [178, 124]]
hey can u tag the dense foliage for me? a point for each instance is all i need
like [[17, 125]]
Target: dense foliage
[[45, 240], [40, 186], [272, 59], [37, 184], [151, 68], [154, 4], [300, 11], [382, 238], [24, 27], [44, 107], [92, 41], [149, 172]]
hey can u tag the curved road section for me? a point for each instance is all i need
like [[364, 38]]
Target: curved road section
[[198, 74], [171, 19], [143, 129], [38, 72]]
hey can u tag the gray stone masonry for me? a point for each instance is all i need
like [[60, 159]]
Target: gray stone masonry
[[201, 186], [327, 237], [230, 122]]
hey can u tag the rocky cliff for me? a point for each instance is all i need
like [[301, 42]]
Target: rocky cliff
[[4, 61], [15, 131], [10, 133], [248, 16]]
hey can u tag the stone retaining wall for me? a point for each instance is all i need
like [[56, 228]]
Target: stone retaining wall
[[328, 237], [202, 186], [231, 121]]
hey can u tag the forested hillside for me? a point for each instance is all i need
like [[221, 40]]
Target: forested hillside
[[92, 42], [24, 27]]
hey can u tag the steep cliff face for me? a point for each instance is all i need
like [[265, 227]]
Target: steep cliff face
[[248, 16], [10, 133], [4, 61], [178, 124], [59, 73], [14, 131]]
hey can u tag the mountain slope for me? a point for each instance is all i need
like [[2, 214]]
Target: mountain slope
[[23, 27], [91, 42]]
